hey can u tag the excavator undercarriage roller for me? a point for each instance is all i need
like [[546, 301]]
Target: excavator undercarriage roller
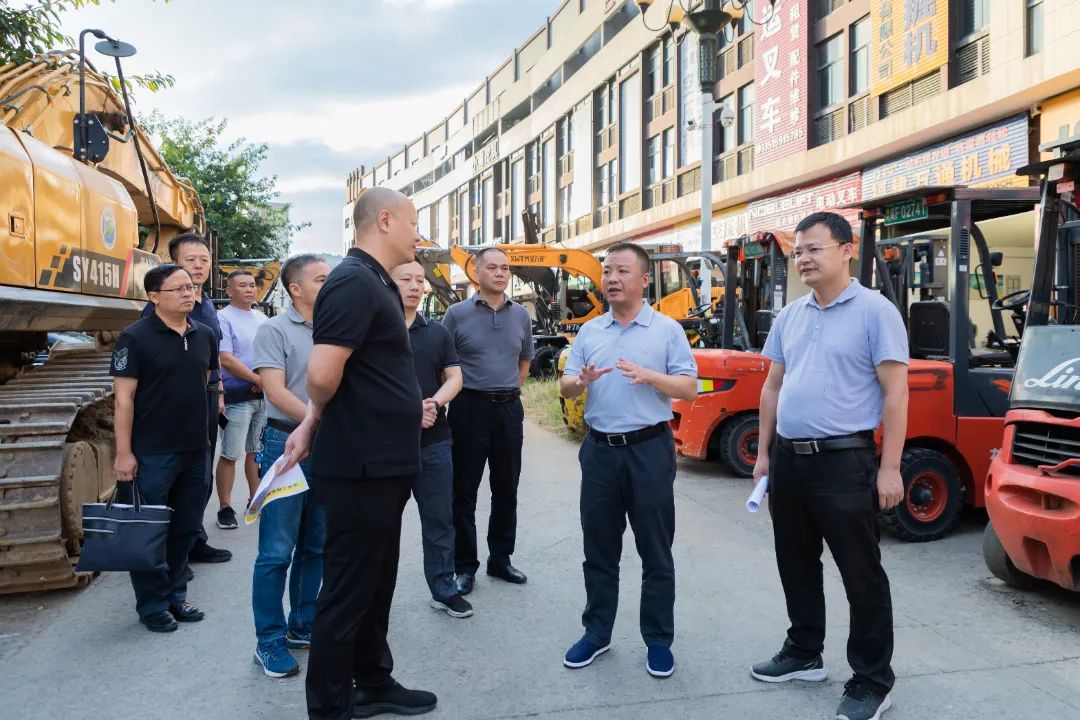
[[56, 452]]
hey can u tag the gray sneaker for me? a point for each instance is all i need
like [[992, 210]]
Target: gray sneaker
[[862, 702], [783, 667]]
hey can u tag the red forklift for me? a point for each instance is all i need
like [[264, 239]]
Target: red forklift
[[1033, 485]]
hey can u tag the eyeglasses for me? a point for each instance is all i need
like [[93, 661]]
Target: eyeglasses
[[813, 252], [182, 289]]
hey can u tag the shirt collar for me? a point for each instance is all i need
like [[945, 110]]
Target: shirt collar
[[293, 314], [643, 318], [846, 294], [478, 301], [160, 325], [419, 322], [373, 264]]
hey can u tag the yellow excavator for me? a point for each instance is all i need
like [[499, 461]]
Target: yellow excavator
[[87, 206]]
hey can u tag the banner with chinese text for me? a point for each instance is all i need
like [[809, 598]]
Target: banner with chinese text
[[985, 157], [780, 81], [909, 38], [785, 211]]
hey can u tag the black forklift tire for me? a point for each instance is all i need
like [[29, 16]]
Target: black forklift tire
[[933, 495], [737, 444], [999, 563]]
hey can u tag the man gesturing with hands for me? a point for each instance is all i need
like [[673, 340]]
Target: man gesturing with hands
[[633, 361]]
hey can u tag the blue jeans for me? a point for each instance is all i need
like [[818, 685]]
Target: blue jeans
[[179, 480], [433, 489], [292, 531]]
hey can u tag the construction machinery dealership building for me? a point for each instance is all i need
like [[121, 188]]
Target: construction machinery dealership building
[[594, 123]]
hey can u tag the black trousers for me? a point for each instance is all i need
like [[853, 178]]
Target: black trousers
[[635, 481], [212, 430], [485, 433], [832, 497], [360, 561]]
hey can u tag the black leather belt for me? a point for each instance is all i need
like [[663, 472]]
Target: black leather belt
[[812, 446], [496, 396], [628, 438], [282, 425]]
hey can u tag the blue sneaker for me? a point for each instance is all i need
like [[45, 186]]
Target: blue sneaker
[[583, 652], [661, 662], [275, 659], [298, 639]]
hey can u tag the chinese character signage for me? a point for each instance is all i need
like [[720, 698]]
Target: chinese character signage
[[784, 212], [985, 157], [726, 226], [780, 90], [909, 39], [1060, 119]]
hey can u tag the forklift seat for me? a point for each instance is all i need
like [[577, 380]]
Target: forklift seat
[[928, 331]]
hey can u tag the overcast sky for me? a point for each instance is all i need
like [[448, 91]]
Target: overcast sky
[[327, 84]]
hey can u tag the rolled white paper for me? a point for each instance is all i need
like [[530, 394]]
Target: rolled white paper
[[754, 501]]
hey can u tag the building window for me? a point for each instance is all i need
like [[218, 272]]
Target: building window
[[727, 134], [830, 74], [1034, 35], [609, 183], [974, 16], [669, 61], [547, 180], [669, 152], [746, 114], [564, 203], [653, 78], [860, 56], [605, 106], [517, 175], [566, 136], [653, 159]]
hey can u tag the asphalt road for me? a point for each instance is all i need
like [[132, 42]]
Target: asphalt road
[[966, 646]]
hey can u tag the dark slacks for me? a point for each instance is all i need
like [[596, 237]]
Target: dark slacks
[[485, 433], [832, 497], [178, 480], [360, 561], [635, 481], [433, 488], [212, 430]]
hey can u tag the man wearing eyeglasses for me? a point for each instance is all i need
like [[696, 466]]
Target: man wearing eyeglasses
[[839, 370], [192, 252], [161, 364]]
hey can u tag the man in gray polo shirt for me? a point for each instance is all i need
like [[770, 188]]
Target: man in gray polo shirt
[[839, 369], [493, 337], [292, 530]]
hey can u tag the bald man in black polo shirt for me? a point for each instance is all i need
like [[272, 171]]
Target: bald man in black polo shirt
[[365, 416]]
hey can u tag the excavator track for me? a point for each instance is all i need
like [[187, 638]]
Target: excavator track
[[56, 453]]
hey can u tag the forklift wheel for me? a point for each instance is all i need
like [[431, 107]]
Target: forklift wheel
[[932, 497], [543, 363], [999, 563], [738, 444]]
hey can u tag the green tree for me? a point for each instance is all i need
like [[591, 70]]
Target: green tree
[[35, 29], [241, 204]]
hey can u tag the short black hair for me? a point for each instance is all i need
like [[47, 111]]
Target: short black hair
[[156, 277], [183, 239], [238, 273], [480, 255], [642, 256], [292, 267], [839, 228]]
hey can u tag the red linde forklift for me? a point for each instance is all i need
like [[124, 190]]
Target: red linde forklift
[[1033, 486]]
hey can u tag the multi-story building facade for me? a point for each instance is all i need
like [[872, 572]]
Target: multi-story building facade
[[591, 123]]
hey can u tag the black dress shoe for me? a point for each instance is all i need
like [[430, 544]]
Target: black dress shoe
[[186, 612], [206, 554], [465, 583], [507, 572], [159, 622], [394, 699]]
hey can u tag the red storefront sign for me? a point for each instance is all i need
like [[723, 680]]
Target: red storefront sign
[[780, 82], [784, 212]]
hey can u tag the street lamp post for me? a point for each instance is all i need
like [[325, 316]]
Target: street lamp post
[[706, 18]]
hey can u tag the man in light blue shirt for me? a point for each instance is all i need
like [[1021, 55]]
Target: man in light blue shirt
[[628, 458], [839, 369]]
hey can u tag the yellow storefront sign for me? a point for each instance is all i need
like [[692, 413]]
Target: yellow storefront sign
[[910, 38], [1060, 118]]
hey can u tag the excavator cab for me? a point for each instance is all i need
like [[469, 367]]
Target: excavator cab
[[1033, 484]]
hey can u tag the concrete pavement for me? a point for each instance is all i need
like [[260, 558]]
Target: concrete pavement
[[966, 646]]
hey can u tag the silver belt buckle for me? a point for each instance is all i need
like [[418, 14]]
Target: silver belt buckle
[[617, 440], [805, 448]]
